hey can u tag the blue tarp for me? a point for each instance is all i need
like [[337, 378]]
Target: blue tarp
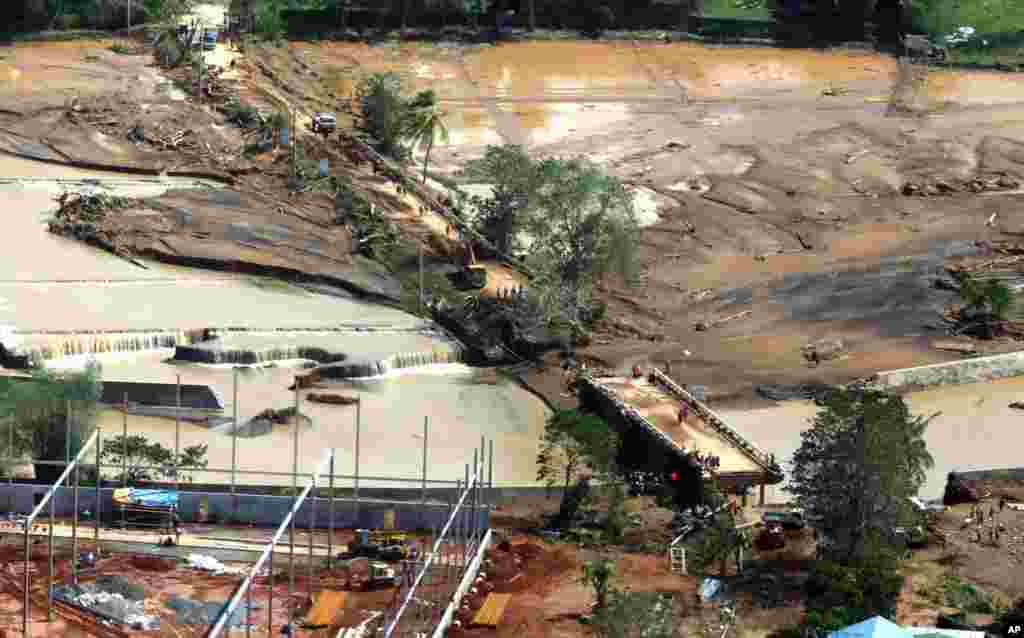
[[146, 498], [876, 627]]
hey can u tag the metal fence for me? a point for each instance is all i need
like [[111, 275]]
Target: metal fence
[[430, 583]]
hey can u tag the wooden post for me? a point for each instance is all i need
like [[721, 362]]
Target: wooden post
[[760, 497]]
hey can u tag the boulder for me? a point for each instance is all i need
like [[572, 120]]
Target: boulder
[[332, 399], [823, 350]]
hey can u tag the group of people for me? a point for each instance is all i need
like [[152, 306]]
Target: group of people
[[995, 528]]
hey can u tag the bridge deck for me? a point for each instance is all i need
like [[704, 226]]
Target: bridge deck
[[662, 410]]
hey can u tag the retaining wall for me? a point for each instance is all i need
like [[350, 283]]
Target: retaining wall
[[1004, 474], [953, 373], [258, 509]]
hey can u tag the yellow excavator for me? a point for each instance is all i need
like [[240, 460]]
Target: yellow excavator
[[472, 276]]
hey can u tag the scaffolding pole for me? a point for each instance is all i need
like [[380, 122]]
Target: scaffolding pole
[[359, 405], [96, 514], [295, 485], [330, 512], [48, 500], [229, 609], [425, 421], [177, 431], [234, 445]]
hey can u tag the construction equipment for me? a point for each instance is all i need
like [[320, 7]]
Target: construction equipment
[[472, 276], [380, 545], [363, 574]]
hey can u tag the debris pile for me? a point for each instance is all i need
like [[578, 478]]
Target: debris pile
[[211, 564], [81, 216], [949, 187], [822, 350], [333, 399], [113, 598]]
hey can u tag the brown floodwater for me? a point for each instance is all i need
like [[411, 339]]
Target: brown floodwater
[[461, 404], [975, 428]]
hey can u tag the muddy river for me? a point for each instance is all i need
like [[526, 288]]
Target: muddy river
[[975, 429], [54, 284]]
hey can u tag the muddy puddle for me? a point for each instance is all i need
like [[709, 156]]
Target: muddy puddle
[[461, 404]]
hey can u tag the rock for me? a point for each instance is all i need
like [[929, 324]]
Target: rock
[[955, 346], [958, 490], [823, 350], [782, 392], [673, 145], [1006, 182], [910, 189], [1019, 405], [333, 399]]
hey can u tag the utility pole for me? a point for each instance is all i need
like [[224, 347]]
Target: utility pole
[[129, 13]]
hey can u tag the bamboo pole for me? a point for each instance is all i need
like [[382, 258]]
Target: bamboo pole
[[234, 444], [330, 512], [96, 514], [177, 432]]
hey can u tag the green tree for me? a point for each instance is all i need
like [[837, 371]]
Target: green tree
[[42, 425], [167, 11], [269, 22], [384, 113], [138, 455], [574, 442], [635, 615], [856, 468], [598, 575], [425, 123], [584, 228], [992, 294], [515, 178]]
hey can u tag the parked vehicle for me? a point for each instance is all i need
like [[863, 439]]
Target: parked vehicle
[[791, 519], [324, 122]]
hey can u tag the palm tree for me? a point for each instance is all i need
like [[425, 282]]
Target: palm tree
[[426, 122]]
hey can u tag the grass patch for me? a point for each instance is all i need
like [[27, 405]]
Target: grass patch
[[967, 597], [736, 9], [942, 17], [1011, 57]]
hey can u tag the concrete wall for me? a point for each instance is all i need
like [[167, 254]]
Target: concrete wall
[[261, 510], [1004, 474], [954, 372]]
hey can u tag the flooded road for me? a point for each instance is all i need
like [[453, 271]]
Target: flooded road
[[975, 430]]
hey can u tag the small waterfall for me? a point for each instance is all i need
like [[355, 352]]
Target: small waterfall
[[215, 351], [54, 345], [451, 353]]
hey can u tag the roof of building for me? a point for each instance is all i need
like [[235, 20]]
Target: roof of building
[[876, 627], [194, 397], [661, 409]]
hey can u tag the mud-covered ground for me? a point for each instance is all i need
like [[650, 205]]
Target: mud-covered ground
[[781, 175]]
